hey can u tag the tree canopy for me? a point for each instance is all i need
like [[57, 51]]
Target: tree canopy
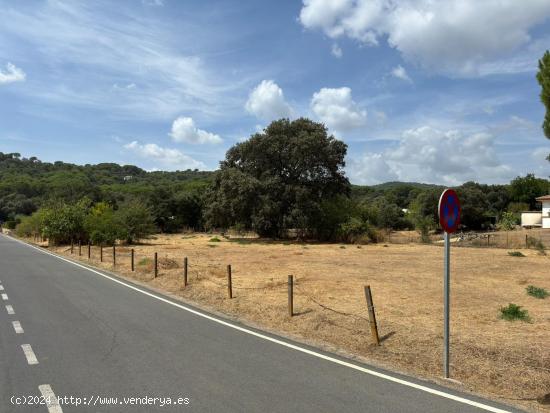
[[543, 77], [278, 179]]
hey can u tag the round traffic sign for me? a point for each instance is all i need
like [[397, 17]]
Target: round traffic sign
[[449, 211]]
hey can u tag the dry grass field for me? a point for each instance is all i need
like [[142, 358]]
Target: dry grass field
[[490, 356]]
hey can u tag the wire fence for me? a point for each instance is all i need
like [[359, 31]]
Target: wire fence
[[515, 239], [124, 257]]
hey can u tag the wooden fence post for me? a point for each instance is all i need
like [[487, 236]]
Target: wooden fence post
[[89, 250], [488, 239], [156, 265], [114, 255], [526, 243], [185, 272], [79, 248], [132, 259], [372, 316], [101, 252], [72, 246], [229, 284], [291, 295]]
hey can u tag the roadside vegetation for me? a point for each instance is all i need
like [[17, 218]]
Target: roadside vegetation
[[284, 182]]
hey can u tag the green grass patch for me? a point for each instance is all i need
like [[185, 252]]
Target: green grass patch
[[515, 254], [342, 246], [145, 261], [214, 239], [514, 312], [537, 292]]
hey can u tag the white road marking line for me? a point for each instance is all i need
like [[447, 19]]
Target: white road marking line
[[9, 309], [17, 327], [1, 288], [375, 373], [51, 399], [4, 297], [29, 354]]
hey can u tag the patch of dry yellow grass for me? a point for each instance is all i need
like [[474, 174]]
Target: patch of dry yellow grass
[[501, 359]]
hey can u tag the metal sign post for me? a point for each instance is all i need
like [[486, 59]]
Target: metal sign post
[[449, 219]]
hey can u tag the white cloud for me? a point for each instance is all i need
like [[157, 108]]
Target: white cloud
[[184, 130], [169, 158], [267, 102], [336, 50], [426, 154], [371, 169], [107, 44], [128, 86], [455, 36], [153, 2], [400, 73], [11, 74], [336, 108]]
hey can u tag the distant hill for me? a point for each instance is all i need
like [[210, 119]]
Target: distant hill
[[28, 183], [397, 184]]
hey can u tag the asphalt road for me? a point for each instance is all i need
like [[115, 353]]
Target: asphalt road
[[97, 338]]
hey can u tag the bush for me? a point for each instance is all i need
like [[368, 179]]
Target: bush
[[515, 254], [135, 220], [514, 312], [101, 224], [11, 224], [537, 292], [508, 221], [532, 242], [214, 239]]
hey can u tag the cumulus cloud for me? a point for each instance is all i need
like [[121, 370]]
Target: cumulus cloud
[[336, 108], [169, 158], [11, 74], [267, 102], [426, 154], [455, 36], [400, 73], [184, 130], [336, 51]]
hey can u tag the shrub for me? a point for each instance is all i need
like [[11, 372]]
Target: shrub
[[514, 312], [214, 239], [537, 244], [537, 292], [508, 221], [515, 254], [135, 220]]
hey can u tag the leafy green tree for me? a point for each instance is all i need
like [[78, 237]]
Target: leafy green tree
[[101, 224], [278, 179], [543, 77], [135, 221], [508, 221], [526, 189], [63, 223], [474, 206]]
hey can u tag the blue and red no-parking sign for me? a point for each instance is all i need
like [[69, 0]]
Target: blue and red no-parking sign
[[449, 211]]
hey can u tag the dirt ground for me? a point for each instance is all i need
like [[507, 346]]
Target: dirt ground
[[490, 356]]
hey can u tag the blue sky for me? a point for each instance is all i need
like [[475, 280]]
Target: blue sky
[[420, 90]]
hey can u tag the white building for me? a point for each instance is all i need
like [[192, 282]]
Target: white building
[[545, 201]]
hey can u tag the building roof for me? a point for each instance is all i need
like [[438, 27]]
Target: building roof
[[543, 198]]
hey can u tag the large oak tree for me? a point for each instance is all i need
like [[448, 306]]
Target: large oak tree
[[279, 179]]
